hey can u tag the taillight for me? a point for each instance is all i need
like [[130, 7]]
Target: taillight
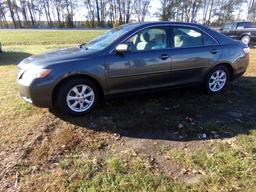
[[246, 50]]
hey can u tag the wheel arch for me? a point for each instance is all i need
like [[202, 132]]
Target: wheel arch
[[228, 66], [245, 34], [76, 76]]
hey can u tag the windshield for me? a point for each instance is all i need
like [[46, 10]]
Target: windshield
[[106, 39]]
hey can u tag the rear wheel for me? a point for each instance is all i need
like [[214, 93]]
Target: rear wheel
[[217, 80], [77, 97]]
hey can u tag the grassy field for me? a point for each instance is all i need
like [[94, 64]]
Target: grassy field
[[46, 37], [179, 140]]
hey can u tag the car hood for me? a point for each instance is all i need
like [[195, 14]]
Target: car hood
[[56, 57]]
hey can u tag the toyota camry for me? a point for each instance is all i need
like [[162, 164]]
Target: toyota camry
[[132, 58]]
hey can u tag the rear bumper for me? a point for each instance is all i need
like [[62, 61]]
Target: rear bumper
[[36, 93], [241, 66]]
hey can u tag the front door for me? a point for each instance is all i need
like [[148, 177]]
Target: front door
[[146, 65]]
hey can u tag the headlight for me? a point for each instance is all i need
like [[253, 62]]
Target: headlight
[[35, 73]]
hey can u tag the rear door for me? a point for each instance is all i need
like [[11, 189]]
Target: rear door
[[193, 53]]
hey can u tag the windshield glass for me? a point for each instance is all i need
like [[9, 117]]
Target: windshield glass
[[104, 40]]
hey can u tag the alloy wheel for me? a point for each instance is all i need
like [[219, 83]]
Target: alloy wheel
[[217, 80], [80, 98]]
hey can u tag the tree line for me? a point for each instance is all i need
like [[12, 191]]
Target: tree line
[[209, 12], [61, 13], [109, 13]]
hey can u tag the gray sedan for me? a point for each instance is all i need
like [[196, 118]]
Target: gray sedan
[[129, 58]]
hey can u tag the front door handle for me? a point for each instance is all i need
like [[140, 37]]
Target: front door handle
[[214, 51], [164, 56]]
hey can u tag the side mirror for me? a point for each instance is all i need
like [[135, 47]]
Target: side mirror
[[122, 48]]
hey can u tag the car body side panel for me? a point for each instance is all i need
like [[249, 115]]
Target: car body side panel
[[233, 55], [137, 70], [132, 71], [189, 65]]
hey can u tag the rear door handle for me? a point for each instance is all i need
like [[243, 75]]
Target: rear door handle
[[214, 51], [164, 56]]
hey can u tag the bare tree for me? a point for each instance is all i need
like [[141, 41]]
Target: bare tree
[[141, 9], [90, 11], [172, 10], [3, 12], [13, 11], [251, 4], [58, 5], [191, 8], [46, 7], [60, 13]]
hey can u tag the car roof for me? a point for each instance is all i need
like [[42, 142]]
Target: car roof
[[148, 23]]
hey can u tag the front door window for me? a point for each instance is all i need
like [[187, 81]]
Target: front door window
[[149, 39]]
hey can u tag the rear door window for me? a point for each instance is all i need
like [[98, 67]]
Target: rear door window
[[186, 37]]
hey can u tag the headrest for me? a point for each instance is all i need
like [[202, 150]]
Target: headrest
[[178, 40], [145, 37]]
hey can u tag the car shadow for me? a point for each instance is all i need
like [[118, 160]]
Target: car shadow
[[179, 115], [12, 57]]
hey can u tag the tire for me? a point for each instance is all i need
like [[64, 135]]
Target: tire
[[217, 80], [246, 39], [77, 97]]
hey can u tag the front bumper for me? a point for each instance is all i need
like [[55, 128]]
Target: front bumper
[[37, 93]]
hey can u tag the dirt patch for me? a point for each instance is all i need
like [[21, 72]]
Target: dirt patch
[[161, 162]]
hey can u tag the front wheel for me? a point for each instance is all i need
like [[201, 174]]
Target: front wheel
[[217, 80], [77, 97]]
